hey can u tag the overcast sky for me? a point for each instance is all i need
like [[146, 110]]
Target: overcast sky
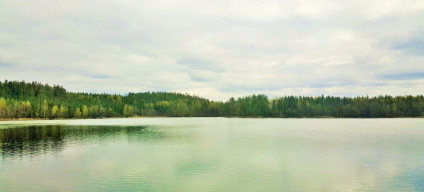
[[216, 49]]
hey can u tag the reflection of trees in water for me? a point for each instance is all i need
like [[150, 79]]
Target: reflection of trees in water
[[98, 134], [33, 140]]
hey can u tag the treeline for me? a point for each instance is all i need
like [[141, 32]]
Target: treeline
[[19, 99]]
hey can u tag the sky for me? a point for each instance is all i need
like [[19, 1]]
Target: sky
[[216, 49]]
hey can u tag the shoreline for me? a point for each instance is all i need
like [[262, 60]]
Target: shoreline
[[140, 117]]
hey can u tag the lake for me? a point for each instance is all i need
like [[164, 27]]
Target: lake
[[212, 154]]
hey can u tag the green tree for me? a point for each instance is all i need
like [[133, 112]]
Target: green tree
[[128, 110], [3, 108], [62, 111], [55, 111], [181, 109], [77, 113], [84, 111], [45, 107], [26, 109]]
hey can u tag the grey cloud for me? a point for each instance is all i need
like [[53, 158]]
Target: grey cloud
[[99, 76], [249, 89], [5, 45], [414, 46], [403, 76], [6, 64], [200, 78], [329, 83], [194, 63]]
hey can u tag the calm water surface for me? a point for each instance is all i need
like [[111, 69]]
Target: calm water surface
[[212, 154]]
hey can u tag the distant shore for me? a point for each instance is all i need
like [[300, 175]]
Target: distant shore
[[135, 117], [23, 100]]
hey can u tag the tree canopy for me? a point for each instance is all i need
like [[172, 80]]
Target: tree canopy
[[19, 99]]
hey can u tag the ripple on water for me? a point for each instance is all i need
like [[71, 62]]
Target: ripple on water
[[215, 155], [409, 181]]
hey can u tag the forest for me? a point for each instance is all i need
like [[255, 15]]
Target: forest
[[20, 99]]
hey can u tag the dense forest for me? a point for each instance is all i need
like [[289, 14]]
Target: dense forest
[[19, 99]]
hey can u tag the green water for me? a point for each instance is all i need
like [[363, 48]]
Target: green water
[[212, 154]]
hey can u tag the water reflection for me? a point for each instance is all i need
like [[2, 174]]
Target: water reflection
[[409, 181], [215, 155], [33, 140]]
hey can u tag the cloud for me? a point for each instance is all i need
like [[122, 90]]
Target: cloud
[[403, 76], [6, 64], [194, 63], [216, 49], [414, 46]]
